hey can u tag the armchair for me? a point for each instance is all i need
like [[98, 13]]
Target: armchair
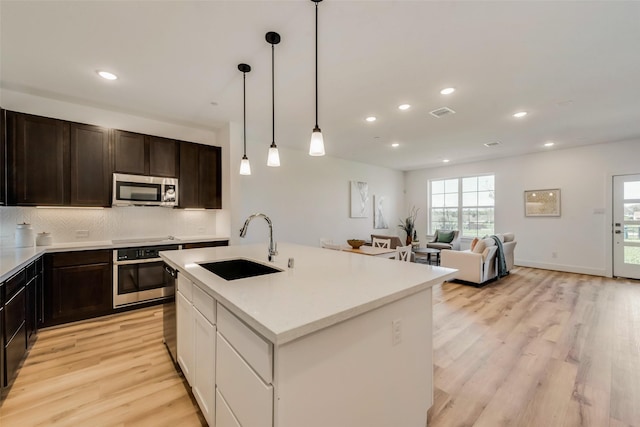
[[444, 239]]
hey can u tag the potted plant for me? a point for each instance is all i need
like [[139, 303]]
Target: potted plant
[[408, 225]]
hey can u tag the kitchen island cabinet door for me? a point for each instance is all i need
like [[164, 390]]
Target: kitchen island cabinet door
[[90, 166], [204, 377], [38, 152], [185, 324], [129, 153], [163, 157]]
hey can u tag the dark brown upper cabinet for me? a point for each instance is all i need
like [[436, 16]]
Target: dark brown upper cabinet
[[90, 165], [38, 152], [163, 157], [139, 154], [200, 176], [3, 165], [57, 163], [129, 153]]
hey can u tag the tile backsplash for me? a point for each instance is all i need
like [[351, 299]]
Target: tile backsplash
[[77, 225]]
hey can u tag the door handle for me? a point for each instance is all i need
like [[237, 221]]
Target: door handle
[[617, 224], [618, 231]]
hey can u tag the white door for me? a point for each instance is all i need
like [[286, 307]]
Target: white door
[[626, 226]]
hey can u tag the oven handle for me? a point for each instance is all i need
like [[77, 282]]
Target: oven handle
[[137, 261], [171, 271]]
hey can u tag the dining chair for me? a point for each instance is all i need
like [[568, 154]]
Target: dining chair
[[403, 253], [381, 243]]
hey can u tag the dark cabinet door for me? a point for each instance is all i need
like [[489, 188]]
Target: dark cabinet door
[[129, 153], [210, 178], [3, 166], [188, 181], [38, 149], [78, 292], [1, 342], [163, 157], [90, 165]]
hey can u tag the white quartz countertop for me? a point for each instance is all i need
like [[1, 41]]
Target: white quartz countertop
[[323, 288], [13, 259]]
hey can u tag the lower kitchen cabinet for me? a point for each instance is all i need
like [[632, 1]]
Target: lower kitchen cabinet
[[78, 285], [185, 332], [204, 368], [197, 344], [17, 320]]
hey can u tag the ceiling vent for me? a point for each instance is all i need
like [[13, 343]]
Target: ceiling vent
[[491, 144], [444, 111]]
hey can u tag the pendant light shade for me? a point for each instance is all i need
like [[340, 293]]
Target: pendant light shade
[[273, 158], [245, 166], [316, 147]]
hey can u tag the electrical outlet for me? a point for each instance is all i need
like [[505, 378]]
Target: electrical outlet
[[200, 230], [80, 234], [554, 254], [396, 331]]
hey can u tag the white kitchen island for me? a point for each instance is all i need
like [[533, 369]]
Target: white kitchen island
[[339, 340]]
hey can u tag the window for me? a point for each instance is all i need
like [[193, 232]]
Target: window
[[465, 204]]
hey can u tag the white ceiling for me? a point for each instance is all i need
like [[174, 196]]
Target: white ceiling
[[574, 66]]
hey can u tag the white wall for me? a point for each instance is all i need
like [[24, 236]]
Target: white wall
[[307, 198], [581, 236]]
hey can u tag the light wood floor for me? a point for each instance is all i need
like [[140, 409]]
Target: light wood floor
[[537, 348]]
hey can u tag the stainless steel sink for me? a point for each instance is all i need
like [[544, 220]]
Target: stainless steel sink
[[240, 268]]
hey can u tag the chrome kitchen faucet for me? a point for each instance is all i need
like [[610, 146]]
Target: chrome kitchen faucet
[[273, 247]]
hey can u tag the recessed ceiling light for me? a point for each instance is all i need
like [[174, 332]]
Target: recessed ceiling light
[[371, 119], [520, 114], [549, 144], [404, 107], [107, 75], [446, 161], [395, 144], [448, 90]]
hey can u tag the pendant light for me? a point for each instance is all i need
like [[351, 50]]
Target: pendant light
[[274, 158], [316, 147], [245, 166]]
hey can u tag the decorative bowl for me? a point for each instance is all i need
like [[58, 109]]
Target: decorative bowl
[[355, 243]]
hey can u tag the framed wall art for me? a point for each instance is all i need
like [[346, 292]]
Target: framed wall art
[[542, 202], [359, 199]]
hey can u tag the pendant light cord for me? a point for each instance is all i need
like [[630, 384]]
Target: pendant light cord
[[273, 97], [244, 110], [316, 65]]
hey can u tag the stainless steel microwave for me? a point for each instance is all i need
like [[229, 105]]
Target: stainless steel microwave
[[138, 190]]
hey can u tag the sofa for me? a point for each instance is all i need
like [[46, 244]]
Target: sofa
[[480, 264], [445, 239]]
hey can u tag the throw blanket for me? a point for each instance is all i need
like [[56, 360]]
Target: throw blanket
[[502, 263]]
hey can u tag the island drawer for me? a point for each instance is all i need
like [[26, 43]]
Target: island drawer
[[257, 351], [204, 303], [248, 397], [185, 287], [224, 416]]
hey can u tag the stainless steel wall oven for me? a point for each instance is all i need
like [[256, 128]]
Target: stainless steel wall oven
[[139, 275]]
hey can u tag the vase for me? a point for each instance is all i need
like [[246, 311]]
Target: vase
[[408, 239]]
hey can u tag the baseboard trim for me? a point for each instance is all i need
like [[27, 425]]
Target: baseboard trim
[[562, 267]]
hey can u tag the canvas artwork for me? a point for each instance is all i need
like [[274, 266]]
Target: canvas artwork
[[542, 202], [359, 199], [379, 220]]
